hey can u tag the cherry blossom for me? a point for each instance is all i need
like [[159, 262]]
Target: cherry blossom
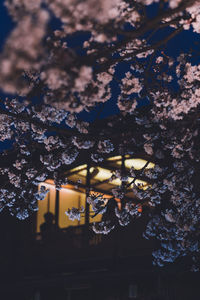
[[48, 82]]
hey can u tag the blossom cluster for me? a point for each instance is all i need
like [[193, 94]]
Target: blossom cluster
[[52, 82]]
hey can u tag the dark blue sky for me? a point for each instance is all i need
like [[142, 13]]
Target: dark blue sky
[[6, 24]]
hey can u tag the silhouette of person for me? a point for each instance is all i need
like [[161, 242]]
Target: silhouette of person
[[48, 229]]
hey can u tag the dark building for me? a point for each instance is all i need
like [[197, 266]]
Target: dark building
[[53, 258]]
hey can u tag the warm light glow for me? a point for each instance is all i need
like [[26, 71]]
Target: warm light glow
[[105, 174], [78, 168], [83, 172], [115, 158], [137, 163], [50, 181], [69, 197], [144, 184], [48, 204]]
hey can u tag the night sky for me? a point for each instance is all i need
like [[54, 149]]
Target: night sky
[[184, 41]]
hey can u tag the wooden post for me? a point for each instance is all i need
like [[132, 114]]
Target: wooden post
[[87, 206], [123, 173], [48, 202], [123, 168], [57, 208]]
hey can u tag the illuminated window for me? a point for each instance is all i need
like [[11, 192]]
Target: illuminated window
[[70, 196]]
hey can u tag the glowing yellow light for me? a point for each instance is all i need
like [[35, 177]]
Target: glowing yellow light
[[84, 172], [137, 163], [116, 181], [78, 168], [103, 174], [50, 181], [142, 184], [47, 185], [115, 158]]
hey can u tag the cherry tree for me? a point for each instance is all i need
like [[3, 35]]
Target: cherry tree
[[47, 81]]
